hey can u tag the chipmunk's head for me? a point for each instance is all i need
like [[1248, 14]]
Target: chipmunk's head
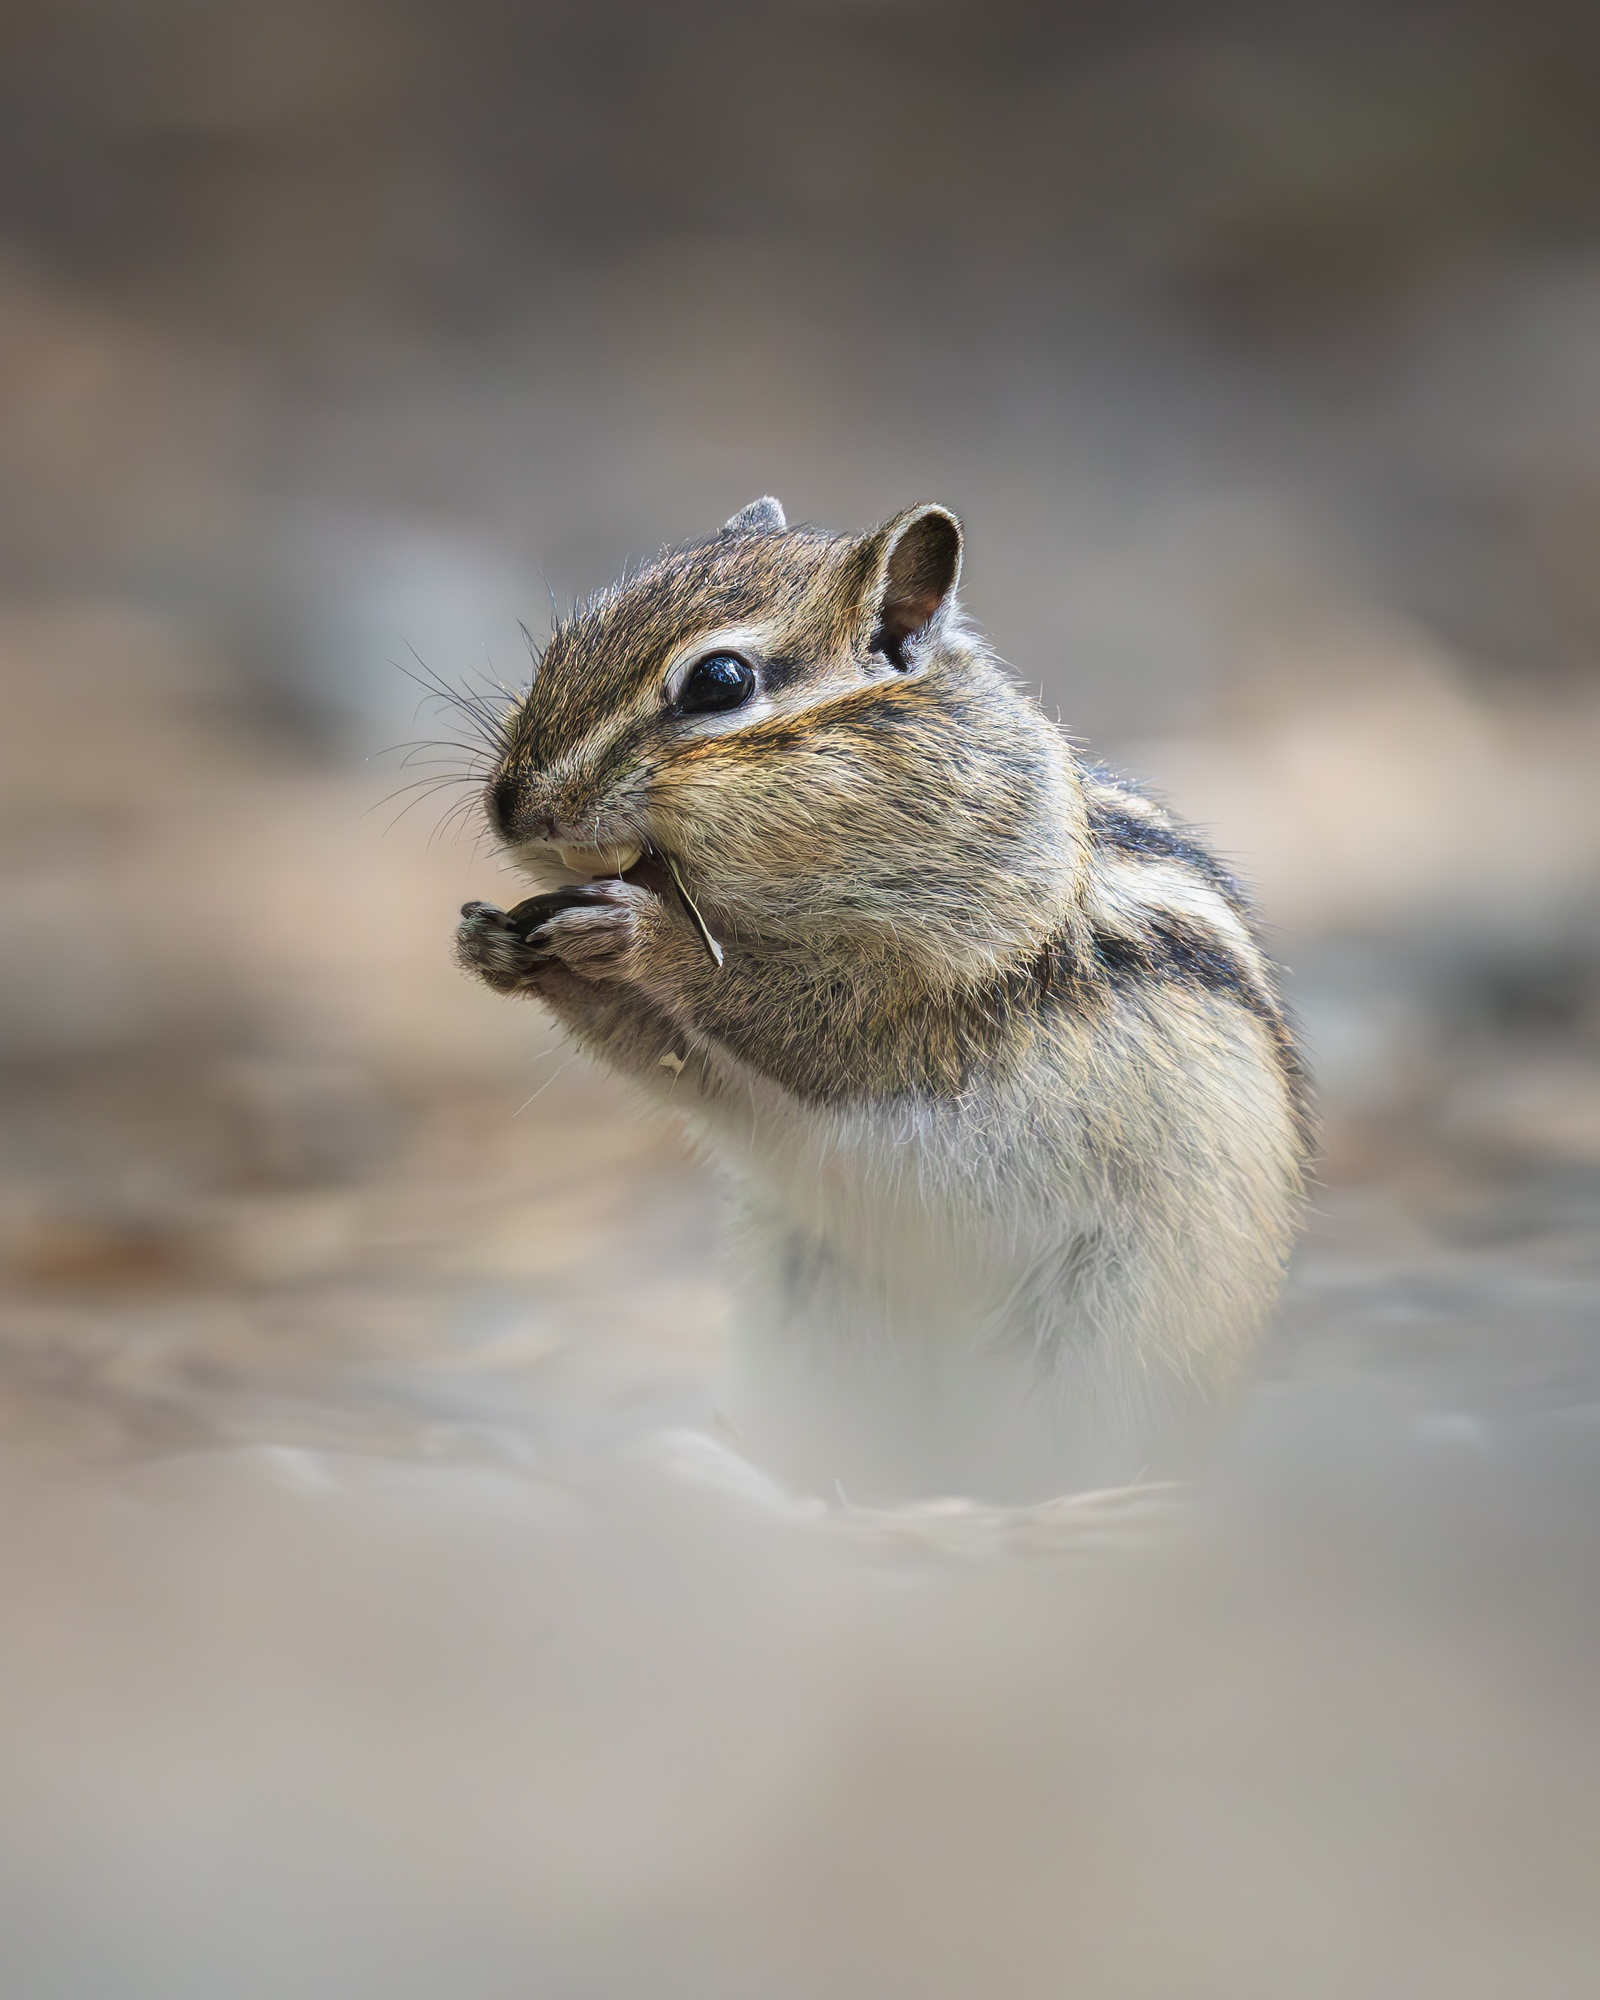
[[800, 722]]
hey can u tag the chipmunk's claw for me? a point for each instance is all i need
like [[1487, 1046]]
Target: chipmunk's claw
[[597, 932], [489, 944]]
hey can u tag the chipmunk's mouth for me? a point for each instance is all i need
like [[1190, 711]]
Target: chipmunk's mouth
[[651, 871], [598, 861], [648, 867], [631, 860]]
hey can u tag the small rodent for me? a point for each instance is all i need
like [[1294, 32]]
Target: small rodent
[[1017, 1127]]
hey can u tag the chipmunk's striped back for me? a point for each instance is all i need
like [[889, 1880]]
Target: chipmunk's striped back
[[1160, 907]]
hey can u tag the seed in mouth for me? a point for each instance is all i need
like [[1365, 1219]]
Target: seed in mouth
[[597, 861]]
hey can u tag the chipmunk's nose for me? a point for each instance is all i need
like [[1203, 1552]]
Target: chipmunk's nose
[[514, 815]]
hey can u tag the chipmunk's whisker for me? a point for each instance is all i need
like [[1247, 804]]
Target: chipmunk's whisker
[[489, 722], [425, 786], [478, 764]]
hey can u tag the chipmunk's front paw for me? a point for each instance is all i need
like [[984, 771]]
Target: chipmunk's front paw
[[607, 934], [492, 944]]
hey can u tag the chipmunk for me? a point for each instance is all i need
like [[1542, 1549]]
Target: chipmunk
[[1017, 1127]]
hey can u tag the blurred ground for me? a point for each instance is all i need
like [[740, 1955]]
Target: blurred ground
[[379, 1615]]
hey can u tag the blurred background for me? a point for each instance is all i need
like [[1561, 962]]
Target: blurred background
[[377, 1616]]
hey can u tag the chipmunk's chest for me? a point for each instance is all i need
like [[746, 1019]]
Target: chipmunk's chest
[[925, 1195]]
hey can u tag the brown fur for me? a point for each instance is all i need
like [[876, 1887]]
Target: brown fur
[[936, 923]]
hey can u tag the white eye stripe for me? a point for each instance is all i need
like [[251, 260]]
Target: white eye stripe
[[787, 703], [752, 643], [815, 690], [726, 721], [749, 642], [746, 642]]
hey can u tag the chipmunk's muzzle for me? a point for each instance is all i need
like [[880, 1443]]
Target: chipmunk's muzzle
[[589, 863], [513, 814], [535, 831], [536, 834]]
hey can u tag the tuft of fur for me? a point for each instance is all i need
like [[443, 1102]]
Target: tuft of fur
[[993, 1054]]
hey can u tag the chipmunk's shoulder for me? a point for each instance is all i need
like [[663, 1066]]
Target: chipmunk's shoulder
[[1125, 824]]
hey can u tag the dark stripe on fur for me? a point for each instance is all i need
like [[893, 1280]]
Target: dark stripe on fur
[[1174, 948], [1130, 833], [1171, 950]]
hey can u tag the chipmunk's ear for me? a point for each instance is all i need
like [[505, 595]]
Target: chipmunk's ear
[[916, 564], [762, 517]]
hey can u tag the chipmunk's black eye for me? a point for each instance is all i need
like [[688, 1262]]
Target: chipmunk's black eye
[[719, 681]]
